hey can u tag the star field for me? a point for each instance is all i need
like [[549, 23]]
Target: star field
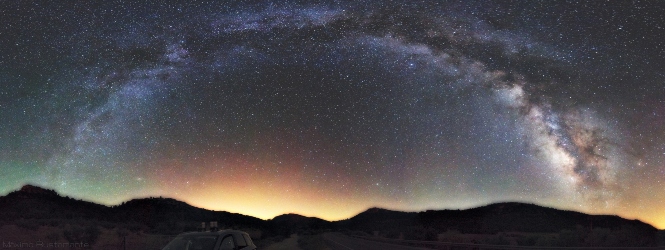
[[326, 108]]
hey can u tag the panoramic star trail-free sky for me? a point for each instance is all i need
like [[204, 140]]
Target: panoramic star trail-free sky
[[327, 108]]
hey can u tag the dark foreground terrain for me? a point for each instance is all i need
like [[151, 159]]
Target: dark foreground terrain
[[33, 215]]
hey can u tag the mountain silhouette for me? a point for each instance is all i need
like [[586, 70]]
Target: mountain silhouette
[[493, 218], [170, 216], [509, 217], [32, 202], [289, 223]]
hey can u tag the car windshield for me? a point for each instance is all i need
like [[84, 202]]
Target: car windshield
[[198, 242]]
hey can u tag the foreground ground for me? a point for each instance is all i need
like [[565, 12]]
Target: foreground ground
[[338, 241], [290, 243]]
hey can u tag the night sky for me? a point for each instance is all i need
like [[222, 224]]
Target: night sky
[[328, 108]]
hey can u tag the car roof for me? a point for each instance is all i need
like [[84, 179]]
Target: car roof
[[220, 232]]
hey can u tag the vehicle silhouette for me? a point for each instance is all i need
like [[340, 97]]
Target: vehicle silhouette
[[218, 240]]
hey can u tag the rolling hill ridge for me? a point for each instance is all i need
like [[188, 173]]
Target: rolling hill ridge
[[33, 206]]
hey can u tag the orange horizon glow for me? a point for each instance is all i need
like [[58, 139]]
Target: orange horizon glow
[[272, 187], [266, 204]]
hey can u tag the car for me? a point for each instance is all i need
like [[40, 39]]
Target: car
[[219, 240]]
